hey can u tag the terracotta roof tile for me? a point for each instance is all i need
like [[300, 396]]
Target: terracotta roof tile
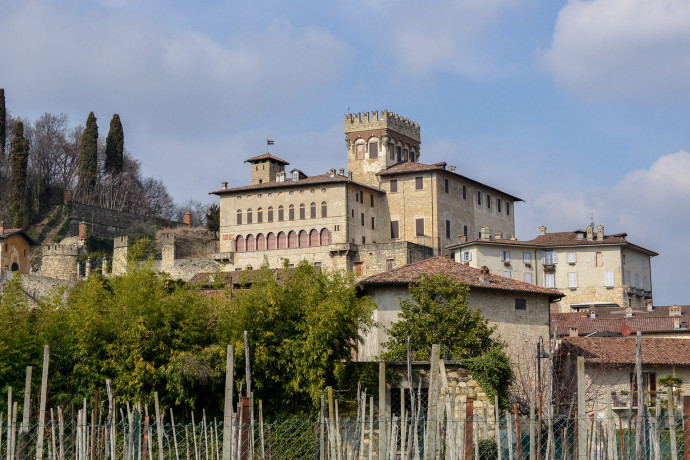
[[622, 350], [266, 156], [613, 320], [14, 231], [464, 273], [311, 180]]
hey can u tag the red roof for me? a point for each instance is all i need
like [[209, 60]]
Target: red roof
[[613, 319], [312, 180], [266, 156], [463, 273], [622, 350], [7, 232]]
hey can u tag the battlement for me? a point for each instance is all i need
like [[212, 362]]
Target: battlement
[[382, 119], [121, 242], [56, 250]]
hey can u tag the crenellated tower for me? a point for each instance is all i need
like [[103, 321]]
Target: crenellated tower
[[378, 140]]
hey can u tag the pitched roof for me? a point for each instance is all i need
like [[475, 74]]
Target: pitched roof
[[463, 273], [409, 167], [7, 232], [311, 180], [613, 320], [266, 156], [556, 239], [622, 350]]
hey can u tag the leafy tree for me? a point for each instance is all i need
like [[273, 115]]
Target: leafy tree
[[438, 313], [88, 157], [114, 147], [213, 218], [303, 330], [19, 159], [3, 123]]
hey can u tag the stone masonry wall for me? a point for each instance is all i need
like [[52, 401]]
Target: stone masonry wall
[[108, 222], [60, 261]]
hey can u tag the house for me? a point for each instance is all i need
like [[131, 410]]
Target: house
[[610, 367], [15, 250], [519, 310], [591, 268], [387, 210]]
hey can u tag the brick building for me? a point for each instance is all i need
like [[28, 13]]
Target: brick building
[[387, 210]]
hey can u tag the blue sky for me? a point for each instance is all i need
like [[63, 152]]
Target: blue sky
[[575, 106]]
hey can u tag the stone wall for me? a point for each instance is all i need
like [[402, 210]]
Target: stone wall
[[36, 286], [109, 223], [379, 257], [60, 261]]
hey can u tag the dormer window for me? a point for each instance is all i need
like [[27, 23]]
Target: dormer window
[[295, 175]]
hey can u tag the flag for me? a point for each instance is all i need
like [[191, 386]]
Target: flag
[[269, 142]]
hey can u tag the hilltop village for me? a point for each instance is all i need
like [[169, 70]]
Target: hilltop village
[[388, 217]]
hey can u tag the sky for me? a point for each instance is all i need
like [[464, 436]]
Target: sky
[[576, 106]]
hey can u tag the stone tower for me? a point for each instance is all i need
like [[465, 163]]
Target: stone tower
[[378, 140], [266, 168]]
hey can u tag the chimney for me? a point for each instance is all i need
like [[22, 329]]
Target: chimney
[[451, 168], [82, 230], [674, 310], [332, 172], [67, 196], [499, 235], [676, 323], [188, 219], [542, 230], [600, 232], [484, 274], [592, 314], [628, 312], [573, 331], [349, 175], [341, 171], [223, 185], [650, 307], [486, 232], [590, 231], [462, 238]]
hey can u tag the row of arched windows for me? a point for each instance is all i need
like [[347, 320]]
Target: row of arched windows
[[283, 240], [247, 217]]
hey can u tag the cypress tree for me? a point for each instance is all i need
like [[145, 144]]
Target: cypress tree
[[88, 156], [3, 123], [114, 146], [19, 159]]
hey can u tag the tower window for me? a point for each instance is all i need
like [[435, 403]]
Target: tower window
[[373, 149], [359, 148], [419, 223]]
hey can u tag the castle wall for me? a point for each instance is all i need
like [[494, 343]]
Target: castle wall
[[60, 261], [108, 223]]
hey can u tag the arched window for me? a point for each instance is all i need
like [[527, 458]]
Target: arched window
[[303, 239], [15, 267], [282, 240], [325, 237], [249, 216], [291, 212], [271, 241], [269, 218], [302, 211], [259, 215], [324, 209], [312, 211], [239, 244], [260, 242], [251, 243], [281, 213], [314, 238], [292, 239], [239, 217]]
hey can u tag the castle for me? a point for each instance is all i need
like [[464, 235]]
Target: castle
[[387, 210]]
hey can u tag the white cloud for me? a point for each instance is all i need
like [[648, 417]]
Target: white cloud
[[650, 205], [638, 49]]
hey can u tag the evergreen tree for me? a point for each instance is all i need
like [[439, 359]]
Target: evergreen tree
[[19, 160], [88, 156], [114, 147], [3, 123], [213, 218]]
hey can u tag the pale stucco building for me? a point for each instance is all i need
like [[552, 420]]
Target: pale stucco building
[[386, 210], [15, 250], [591, 268]]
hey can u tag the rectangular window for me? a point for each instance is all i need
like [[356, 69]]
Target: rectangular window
[[291, 213], [488, 201], [445, 185], [395, 230], [464, 192], [608, 278], [627, 277], [394, 185], [507, 208], [528, 277], [357, 197], [506, 274], [572, 257], [360, 151], [372, 200], [302, 212], [419, 223], [270, 214], [390, 264], [447, 229], [549, 257], [637, 281], [391, 151], [466, 256], [373, 223], [479, 198], [520, 304], [504, 256], [527, 257], [373, 149], [419, 183], [361, 215], [359, 268], [353, 213], [464, 230], [498, 204], [549, 280], [398, 153], [644, 283], [572, 280]]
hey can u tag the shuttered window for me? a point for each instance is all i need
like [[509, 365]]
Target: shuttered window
[[419, 224], [394, 186], [395, 230], [419, 183], [608, 278]]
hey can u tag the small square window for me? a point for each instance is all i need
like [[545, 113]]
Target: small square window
[[506, 274], [572, 257], [390, 264], [419, 183], [527, 257], [394, 185], [520, 304], [528, 277]]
